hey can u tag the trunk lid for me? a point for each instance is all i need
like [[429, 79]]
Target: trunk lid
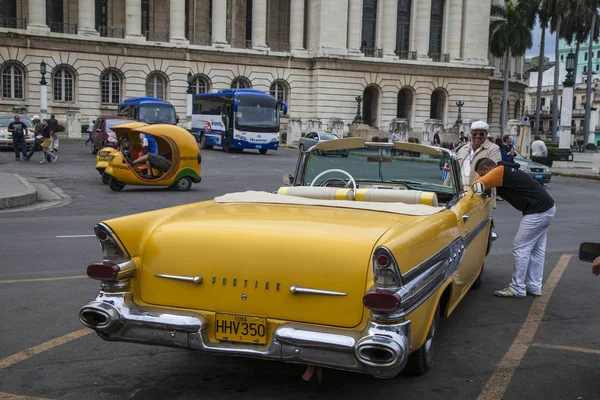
[[250, 255]]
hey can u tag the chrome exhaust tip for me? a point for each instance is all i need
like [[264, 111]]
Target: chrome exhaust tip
[[494, 236], [378, 351], [101, 317]]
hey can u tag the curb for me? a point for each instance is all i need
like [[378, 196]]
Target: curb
[[580, 176], [19, 200]]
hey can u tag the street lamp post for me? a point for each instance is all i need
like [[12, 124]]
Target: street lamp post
[[564, 152], [190, 95], [358, 117], [43, 91]]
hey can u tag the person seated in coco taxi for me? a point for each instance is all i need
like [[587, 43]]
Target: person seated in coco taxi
[[152, 158]]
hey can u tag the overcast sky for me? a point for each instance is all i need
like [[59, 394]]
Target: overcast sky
[[549, 47]]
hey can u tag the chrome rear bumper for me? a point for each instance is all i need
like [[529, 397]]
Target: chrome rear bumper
[[380, 350]]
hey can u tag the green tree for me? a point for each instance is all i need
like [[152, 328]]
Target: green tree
[[577, 27], [590, 8], [510, 36]]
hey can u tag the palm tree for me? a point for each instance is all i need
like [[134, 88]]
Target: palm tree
[[544, 19], [576, 27], [592, 7], [510, 36], [557, 9]]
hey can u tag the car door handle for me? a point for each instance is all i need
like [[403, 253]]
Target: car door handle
[[465, 217]]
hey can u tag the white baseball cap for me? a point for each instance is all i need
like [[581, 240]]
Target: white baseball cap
[[35, 117], [480, 126]]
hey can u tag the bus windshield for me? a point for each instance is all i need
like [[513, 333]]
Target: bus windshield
[[257, 114], [157, 114]]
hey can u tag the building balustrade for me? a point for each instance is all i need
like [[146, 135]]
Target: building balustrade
[[111, 31], [63, 27], [279, 46], [406, 55], [439, 57], [152, 36], [375, 52], [13, 23]]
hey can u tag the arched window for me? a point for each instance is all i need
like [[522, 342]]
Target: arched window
[[12, 82], [279, 90], [155, 86], [111, 88], [200, 84], [240, 83], [436, 26], [405, 104], [517, 109], [371, 105], [63, 85], [369, 26], [438, 104], [403, 27]]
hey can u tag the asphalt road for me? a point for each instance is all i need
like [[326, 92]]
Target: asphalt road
[[559, 362]]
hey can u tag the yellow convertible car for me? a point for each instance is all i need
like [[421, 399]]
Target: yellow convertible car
[[350, 266]]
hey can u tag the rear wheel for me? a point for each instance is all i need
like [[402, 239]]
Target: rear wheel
[[422, 360], [479, 281], [105, 178], [262, 151], [203, 143], [115, 185], [183, 185]]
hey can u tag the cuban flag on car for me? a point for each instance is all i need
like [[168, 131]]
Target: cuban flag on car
[[445, 171]]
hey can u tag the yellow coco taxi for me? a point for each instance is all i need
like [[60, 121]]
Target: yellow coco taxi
[[360, 257], [175, 144], [122, 132]]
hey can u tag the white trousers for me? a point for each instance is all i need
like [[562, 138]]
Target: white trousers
[[54, 142], [529, 251]]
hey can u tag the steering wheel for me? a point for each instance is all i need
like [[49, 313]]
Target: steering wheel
[[341, 171]]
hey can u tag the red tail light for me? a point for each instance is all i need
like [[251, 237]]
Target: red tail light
[[103, 271], [382, 300]]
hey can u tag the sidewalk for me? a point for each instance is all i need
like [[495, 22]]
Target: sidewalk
[[581, 168], [15, 191]]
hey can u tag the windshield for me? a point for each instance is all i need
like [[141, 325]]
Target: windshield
[[328, 136], [112, 122], [257, 114], [157, 114], [5, 121], [376, 165]]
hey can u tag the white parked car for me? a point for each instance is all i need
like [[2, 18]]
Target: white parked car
[[6, 136]]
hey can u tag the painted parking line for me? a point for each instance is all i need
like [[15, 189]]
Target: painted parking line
[[49, 345], [498, 383], [566, 348], [74, 236], [60, 278], [10, 396]]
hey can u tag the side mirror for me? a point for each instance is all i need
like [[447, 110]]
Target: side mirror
[[287, 179], [589, 251], [478, 188]]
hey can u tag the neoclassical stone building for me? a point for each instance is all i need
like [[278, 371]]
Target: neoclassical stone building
[[412, 59]]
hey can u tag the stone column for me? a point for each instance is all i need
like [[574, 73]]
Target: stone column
[[388, 27], [296, 25], [87, 18], [453, 29], [354, 27], [423, 21], [177, 22], [37, 16], [219, 24], [475, 32], [133, 20], [259, 24]]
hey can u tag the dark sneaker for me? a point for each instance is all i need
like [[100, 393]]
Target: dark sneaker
[[530, 293]]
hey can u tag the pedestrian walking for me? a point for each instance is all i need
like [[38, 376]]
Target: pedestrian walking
[[53, 124], [37, 144], [539, 151], [90, 130], [462, 138], [19, 132], [529, 245]]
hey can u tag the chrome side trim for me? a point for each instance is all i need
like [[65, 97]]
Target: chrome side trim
[[115, 237], [194, 279], [300, 290]]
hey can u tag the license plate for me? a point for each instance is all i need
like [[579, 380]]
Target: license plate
[[538, 176], [258, 146], [241, 328], [102, 159]]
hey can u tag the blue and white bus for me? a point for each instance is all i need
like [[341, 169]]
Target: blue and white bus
[[149, 110], [237, 119]]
